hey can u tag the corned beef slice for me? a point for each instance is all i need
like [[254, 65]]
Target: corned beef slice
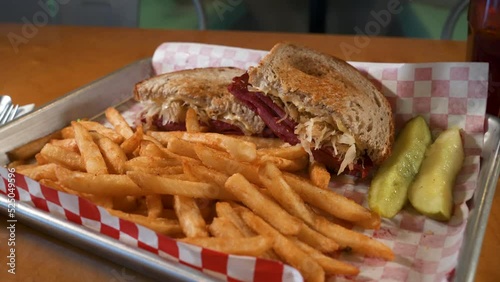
[[275, 118]]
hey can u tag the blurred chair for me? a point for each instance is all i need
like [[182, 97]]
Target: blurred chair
[[452, 19]]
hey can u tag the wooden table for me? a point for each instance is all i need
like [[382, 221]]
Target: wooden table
[[55, 60]]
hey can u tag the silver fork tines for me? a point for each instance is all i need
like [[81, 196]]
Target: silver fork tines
[[5, 111], [9, 114]]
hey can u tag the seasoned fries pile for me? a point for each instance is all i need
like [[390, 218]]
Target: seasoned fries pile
[[234, 194]]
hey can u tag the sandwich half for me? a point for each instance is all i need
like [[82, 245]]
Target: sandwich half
[[167, 97], [321, 102]]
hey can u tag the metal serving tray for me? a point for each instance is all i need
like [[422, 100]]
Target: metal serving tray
[[114, 89]]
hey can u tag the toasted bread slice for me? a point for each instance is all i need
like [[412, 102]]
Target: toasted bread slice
[[192, 84], [319, 85]]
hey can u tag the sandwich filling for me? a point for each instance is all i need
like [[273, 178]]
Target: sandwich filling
[[218, 114], [320, 136]]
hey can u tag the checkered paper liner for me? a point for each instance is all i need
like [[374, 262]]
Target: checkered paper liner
[[446, 94]]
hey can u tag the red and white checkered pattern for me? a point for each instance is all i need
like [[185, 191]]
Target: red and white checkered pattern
[[446, 94], [83, 212]]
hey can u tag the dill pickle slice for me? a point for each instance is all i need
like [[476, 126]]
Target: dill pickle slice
[[431, 193], [388, 190]]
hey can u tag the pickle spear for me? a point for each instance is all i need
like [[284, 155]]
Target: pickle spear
[[431, 192], [388, 190]]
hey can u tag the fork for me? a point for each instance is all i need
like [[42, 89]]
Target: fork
[[8, 114]]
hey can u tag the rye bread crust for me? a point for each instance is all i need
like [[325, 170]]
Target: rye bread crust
[[192, 83], [324, 85]]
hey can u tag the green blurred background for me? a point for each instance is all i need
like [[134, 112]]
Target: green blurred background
[[418, 18], [424, 19]]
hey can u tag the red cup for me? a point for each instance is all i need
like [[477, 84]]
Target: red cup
[[483, 45]]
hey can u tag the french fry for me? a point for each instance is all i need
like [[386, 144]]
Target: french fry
[[154, 165], [327, 200], [225, 210], [261, 205], [180, 157], [181, 147], [92, 157], [192, 124], [41, 159], [161, 171], [132, 143], [98, 184], [151, 139], [358, 242], [261, 142], [150, 149], [20, 166], [147, 161], [161, 225], [273, 180], [121, 126], [113, 155], [205, 174], [317, 240], [246, 246], [179, 176], [67, 144], [319, 175], [101, 129], [330, 265], [17, 163], [63, 157], [154, 204], [286, 249], [190, 219], [372, 223], [156, 149], [47, 171], [239, 149], [152, 184], [68, 133], [223, 227], [289, 153], [329, 217], [286, 164], [221, 161]]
